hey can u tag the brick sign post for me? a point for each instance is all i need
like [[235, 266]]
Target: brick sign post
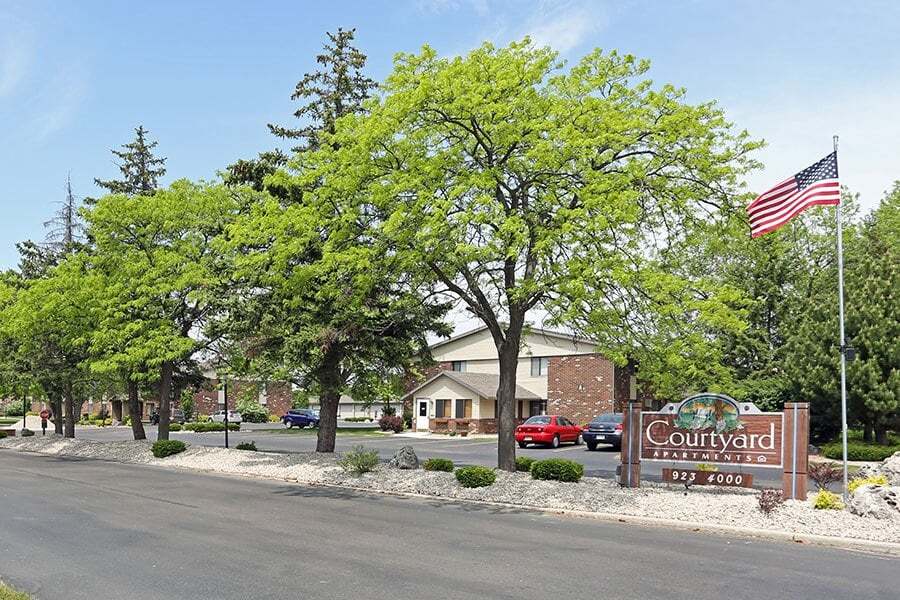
[[715, 429], [630, 471], [796, 449]]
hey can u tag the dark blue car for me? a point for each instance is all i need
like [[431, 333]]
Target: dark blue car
[[301, 417]]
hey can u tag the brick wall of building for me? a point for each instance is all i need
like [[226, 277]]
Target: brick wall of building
[[580, 387], [279, 396]]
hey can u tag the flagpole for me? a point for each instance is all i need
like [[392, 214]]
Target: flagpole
[[840, 258]]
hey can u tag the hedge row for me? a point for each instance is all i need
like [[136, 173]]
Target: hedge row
[[859, 451]]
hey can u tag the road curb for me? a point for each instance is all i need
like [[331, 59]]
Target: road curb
[[888, 548]]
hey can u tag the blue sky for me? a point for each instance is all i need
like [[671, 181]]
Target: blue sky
[[205, 77]]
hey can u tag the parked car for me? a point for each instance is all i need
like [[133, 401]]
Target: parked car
[[550, 430], [177, 416], [604, 429], [219, 417], [301, 417]]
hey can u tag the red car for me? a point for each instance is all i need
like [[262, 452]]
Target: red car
[[549, 430]]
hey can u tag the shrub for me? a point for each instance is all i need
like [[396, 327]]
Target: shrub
[[274, 418], [174, 426], [826, 500], [523, 463], [207, 427], [824, 473], [2, 434], [407, 417], [359, 460], [451, 433], [769, 500], [391, 423], [438, 464], [254, 414], [708, 468], [474, 477], [13, 410], [871, 480], [251, 446], [357, 419], [859, 451], [126, 421], [388, 410], [163, 448], [557, 469]]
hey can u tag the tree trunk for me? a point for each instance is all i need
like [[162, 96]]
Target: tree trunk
[[867, 430], [70, 412], [881, 434], [165, 393], [329, 399], [134, 411], [56, 407], [506, 408], [508, 354]]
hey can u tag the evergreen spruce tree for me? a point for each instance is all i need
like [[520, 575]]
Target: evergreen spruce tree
[[338, 88], [140, 169]]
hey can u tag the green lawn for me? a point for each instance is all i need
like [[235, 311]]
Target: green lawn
[[7, 593], [9, 420], [308, 431]]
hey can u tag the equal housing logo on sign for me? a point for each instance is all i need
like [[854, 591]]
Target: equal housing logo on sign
[[713, 428]]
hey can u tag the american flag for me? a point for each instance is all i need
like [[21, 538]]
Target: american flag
[[815, 185]]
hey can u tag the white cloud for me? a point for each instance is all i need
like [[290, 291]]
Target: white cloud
[[59, 101], [15, 58], [564, 25], [480, 7], [799, 128]]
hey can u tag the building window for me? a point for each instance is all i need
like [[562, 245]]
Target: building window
[[459, 366], [539, 366], [442, 408], [463, 409], [537, 407]]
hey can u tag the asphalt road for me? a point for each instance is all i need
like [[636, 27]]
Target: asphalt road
[[83, 529], [463, 451]]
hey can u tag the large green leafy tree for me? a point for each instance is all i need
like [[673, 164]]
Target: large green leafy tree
[[775, 274], [337, 88], [518, 185], [140, 169], [51, 319], [872, 276], [322, 305], [165, 281]]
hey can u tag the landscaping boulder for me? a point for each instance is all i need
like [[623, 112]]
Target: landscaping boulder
[[405, 458], [891, 468], [879, 501]]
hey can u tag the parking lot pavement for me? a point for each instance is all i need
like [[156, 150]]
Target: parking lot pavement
[[463, 451]]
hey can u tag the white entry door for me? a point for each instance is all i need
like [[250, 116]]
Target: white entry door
[[422, 414]]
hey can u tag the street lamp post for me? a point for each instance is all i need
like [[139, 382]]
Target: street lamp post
[[225, 388]]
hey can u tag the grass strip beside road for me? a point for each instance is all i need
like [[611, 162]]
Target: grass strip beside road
[[7, 593]]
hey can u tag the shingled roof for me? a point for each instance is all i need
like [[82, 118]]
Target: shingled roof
[[483, 384]]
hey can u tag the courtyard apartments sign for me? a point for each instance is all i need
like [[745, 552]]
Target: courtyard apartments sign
[[715, 429]]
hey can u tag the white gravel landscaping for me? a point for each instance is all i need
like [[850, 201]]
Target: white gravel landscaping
[[710, 506]]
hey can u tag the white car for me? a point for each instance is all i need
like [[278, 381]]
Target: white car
[[219, 417]]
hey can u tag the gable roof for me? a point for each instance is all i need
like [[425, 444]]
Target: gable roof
[[483, 384], [533, 330]]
